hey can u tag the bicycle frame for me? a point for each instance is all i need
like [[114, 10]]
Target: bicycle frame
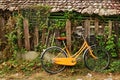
[[70, 60], [84, 46]]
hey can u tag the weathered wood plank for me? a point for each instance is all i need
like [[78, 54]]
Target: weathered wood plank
[[68, 34], [26, 34], [57, 34], [19, 41], [2, 33], [96, 26], [110, 28], [43, 38], [87, 28], [2, 24], [102, 29], [36, 36]]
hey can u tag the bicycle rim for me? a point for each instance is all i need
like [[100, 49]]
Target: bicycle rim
[[47, 62], [97, 64]]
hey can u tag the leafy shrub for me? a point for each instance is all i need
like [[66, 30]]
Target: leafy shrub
[[114, 66]]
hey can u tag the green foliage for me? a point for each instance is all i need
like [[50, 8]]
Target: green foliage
[[40, 47], [68, 15], [114, 66], [118, 44], [19, 24], [37, 15], [12, 36], [100, 40], [57, 24], [11, 39], [107, 42], [19, 66], [110, 46], [110, 43], [72, 15]]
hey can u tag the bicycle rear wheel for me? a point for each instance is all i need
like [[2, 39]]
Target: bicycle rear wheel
[[47, 59], [96, 64]]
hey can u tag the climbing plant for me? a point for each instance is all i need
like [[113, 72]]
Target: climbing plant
[[107, 42]]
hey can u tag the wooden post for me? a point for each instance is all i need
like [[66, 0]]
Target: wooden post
[[2, 24], [43, 36], [116, 40], [68, 34], [2, 33], [57, 34], [26, 34], [36, 36], [116, 30], [110, 28], [96, 26], [103, 28], [87, 28], [19, 37]]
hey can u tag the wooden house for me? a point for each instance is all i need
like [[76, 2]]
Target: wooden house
[[108, 9]]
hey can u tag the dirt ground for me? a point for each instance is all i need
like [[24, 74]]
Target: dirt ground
[[42, 75]]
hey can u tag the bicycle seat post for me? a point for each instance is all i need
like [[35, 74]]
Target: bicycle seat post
[[63, 43], [83, 37]]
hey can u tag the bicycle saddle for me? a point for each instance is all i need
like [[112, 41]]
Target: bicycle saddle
[[61, 38]]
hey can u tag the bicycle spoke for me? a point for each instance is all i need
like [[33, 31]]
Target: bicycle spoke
[[96, 64], [47, 59]]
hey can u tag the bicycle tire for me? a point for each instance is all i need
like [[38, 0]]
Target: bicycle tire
[[99, 64], [47, 56]]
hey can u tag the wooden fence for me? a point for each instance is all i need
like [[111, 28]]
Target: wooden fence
[[92, 27]]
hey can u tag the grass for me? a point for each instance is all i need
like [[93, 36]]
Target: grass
[[33, 71]]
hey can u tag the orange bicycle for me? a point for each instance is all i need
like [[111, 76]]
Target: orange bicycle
[[54, 59]]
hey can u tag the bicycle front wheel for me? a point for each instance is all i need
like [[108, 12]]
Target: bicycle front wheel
[[96, 64], [47, 59]]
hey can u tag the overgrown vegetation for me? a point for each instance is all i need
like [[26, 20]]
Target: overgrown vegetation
[[17, 66], [48, 28], [14, 39], [108, 42]]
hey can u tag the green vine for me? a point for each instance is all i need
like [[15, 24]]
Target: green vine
[[108, 42], [110, 46]]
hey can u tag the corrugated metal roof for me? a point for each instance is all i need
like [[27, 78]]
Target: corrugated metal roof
[[101, 7]]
